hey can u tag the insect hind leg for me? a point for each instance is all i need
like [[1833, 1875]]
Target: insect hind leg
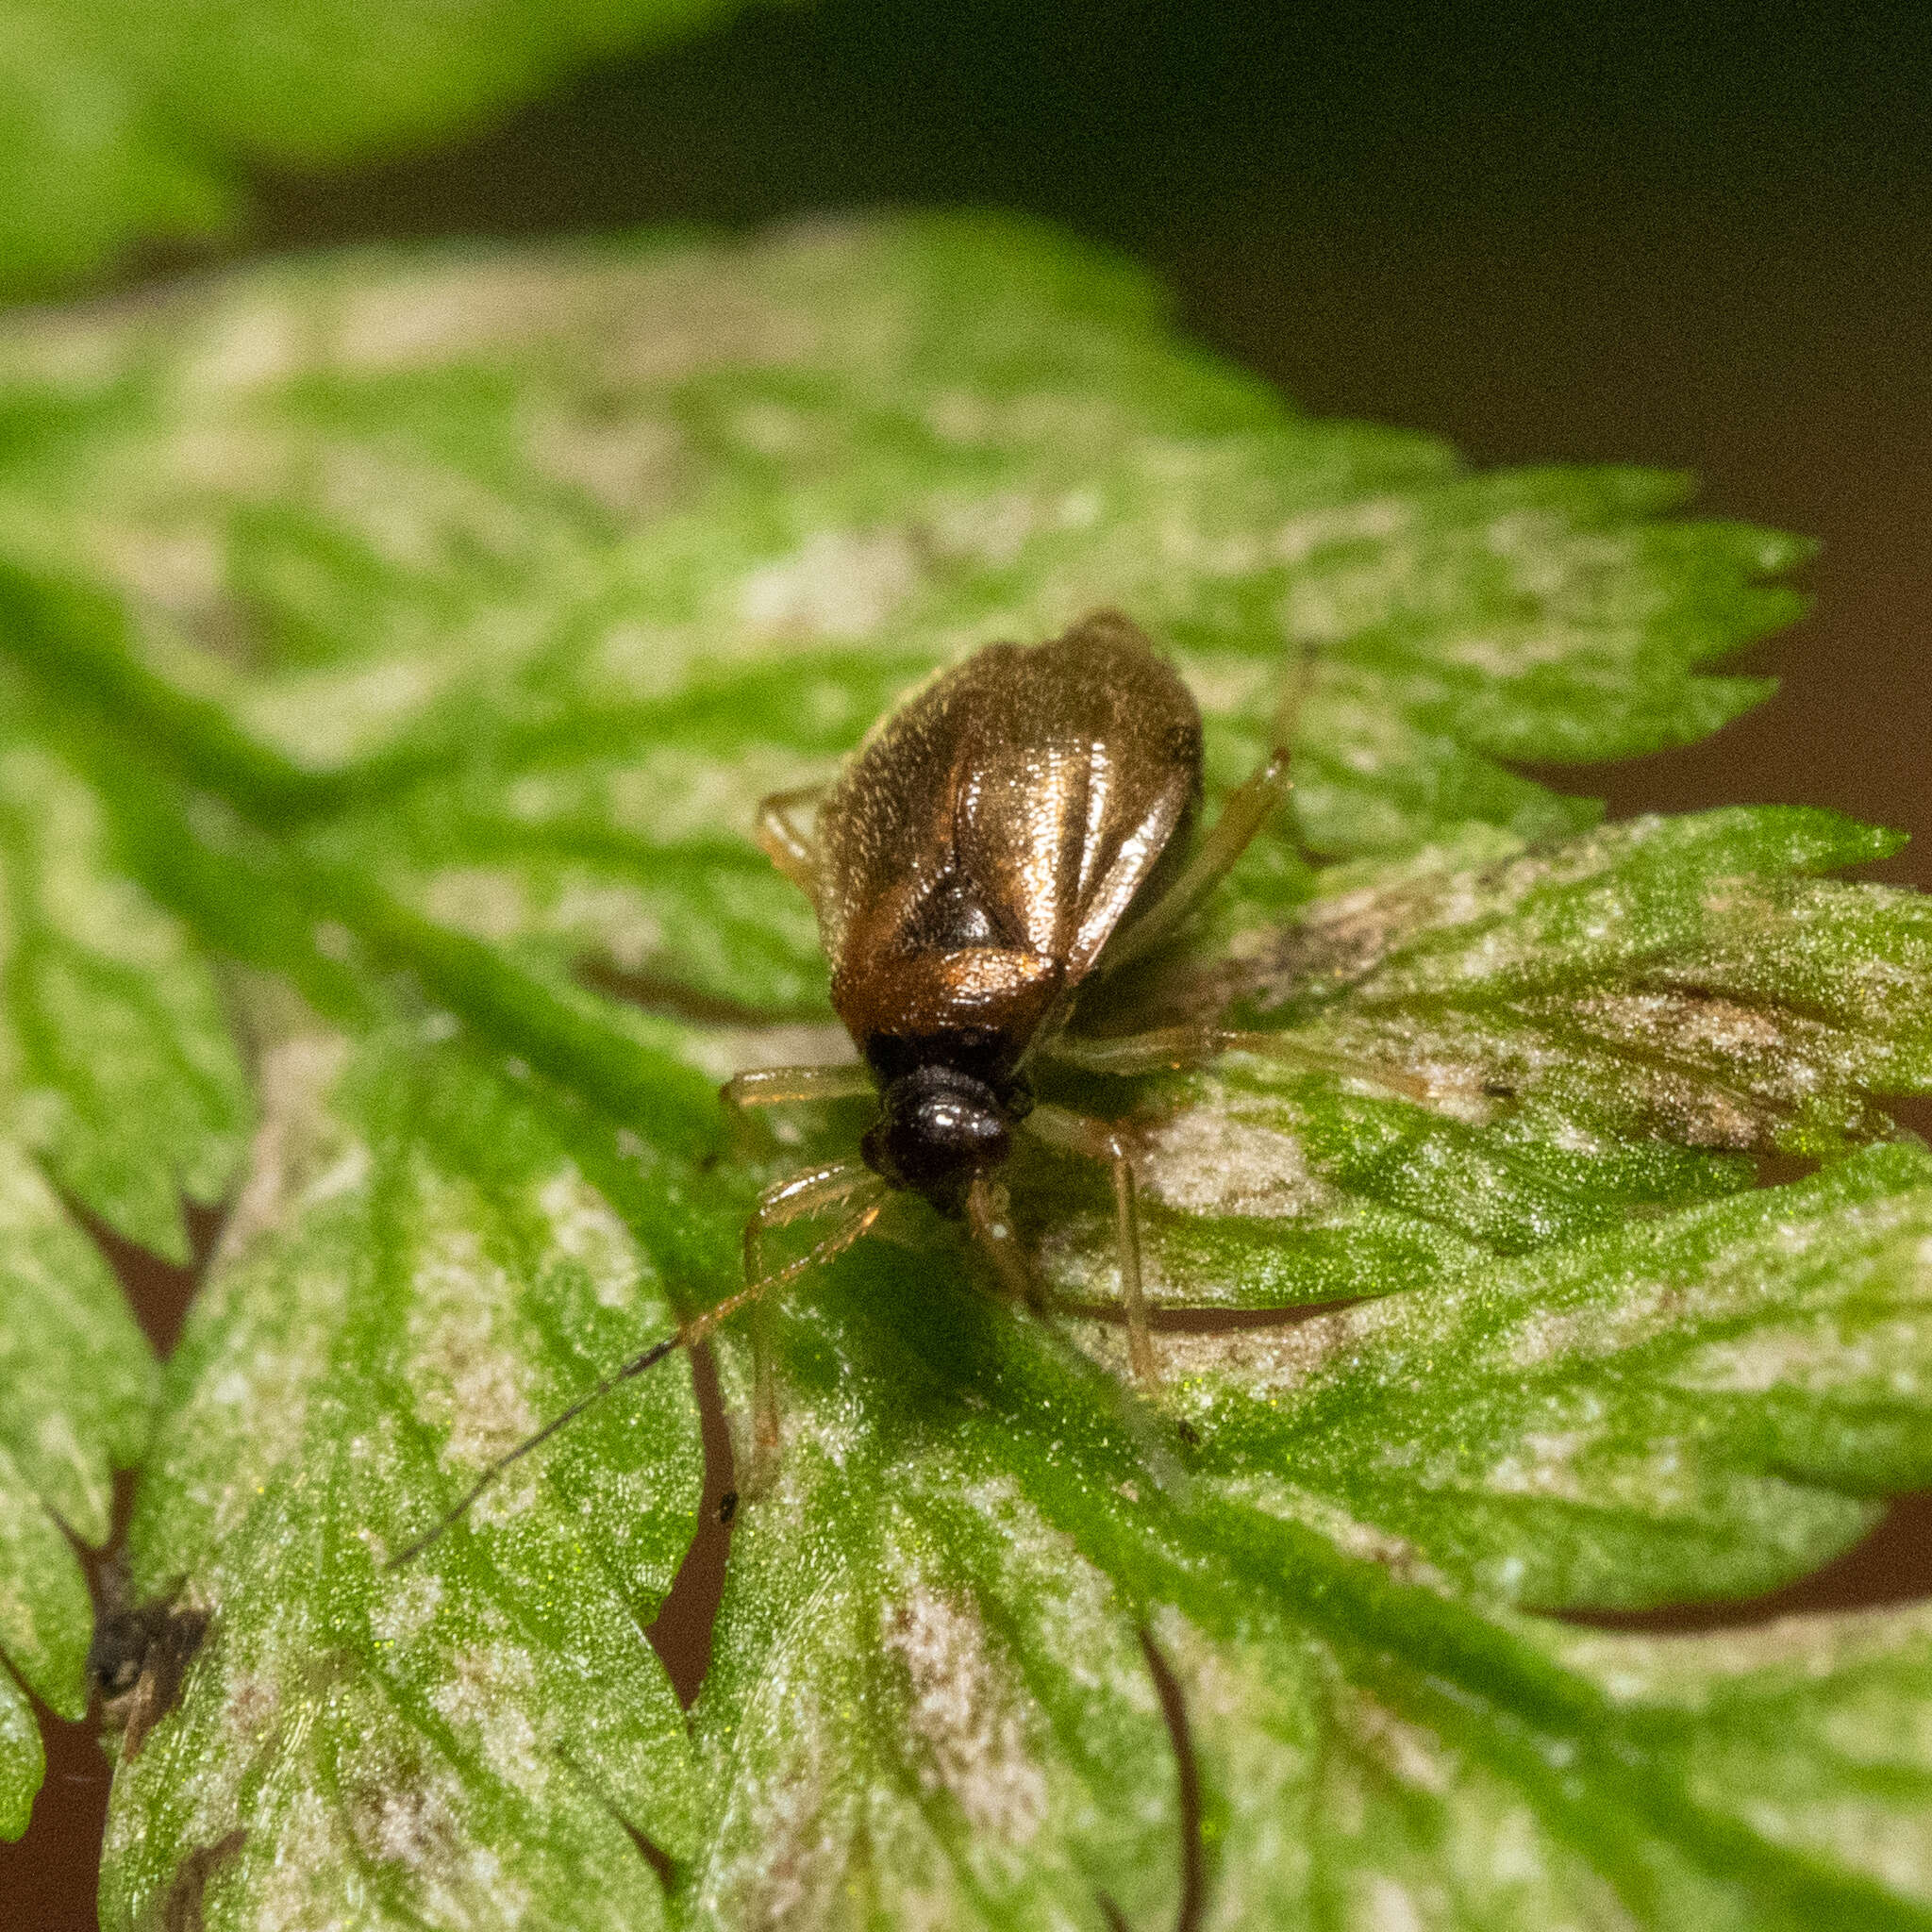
[[1173, 1049], [1248, 808]]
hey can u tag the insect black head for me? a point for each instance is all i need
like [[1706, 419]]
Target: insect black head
[[936, 1129]]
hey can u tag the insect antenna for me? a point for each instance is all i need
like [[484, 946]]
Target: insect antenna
[[692, 1332], [635, 1366]]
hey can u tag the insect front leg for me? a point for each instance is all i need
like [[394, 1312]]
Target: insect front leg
[[985, 1218], [795, 853], [1248, 809], [1077, 1133], [795, 1196], [785, 1201], [785, 1086], [790, 1086]]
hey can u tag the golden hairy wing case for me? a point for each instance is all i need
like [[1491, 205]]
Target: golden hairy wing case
[[1003, 819]]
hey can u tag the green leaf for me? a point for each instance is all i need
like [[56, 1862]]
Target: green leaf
[[1700, 1405], [418, 1271], [120, 1089], [1607, 1025], [1813, 1727], [1326, 1806], [427, 627], [117, 1067], [1373, 1721], [682, 520], [920, 1713], [121, 121]]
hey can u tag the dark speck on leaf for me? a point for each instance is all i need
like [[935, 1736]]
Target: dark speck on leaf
[[181, 1910], [137, 1660]]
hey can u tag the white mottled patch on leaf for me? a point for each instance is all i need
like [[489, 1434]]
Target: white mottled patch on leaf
[[671, 794], [297, 1150], [1405, 1750], [408, 1606], [330, 717], [1693, 1671], [500, 904], [971, 1736], [586, 1227], [488, 1698], [1269, 1363], [470, 1385], [1205, 1162], [842, 584], [1366, 1541], [1543, 1464]]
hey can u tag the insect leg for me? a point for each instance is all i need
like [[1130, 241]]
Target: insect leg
[[787, 1200], [783, 1086], [786, 1086], [1247, 810], [865, 1202], [1171, 1048], [766, 1420], [1078, 1134], [794, 854], [795, 1196], [995, 1239], [990, 1229]]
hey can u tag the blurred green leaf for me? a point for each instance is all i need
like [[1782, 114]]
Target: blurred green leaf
[[122, 121], [426, 627], [541, 568], [120, 1090], [77, 1396], [117, 1067]]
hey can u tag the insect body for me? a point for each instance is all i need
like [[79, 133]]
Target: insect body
[[974, 860], [1016, 830]]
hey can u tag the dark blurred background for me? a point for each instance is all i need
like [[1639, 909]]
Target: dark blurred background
[[1696, 237]]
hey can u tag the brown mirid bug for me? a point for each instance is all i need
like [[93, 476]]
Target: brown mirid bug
[[1016, 830]]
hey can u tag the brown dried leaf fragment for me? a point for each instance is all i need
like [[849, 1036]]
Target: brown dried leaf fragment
[[139, 1658]]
